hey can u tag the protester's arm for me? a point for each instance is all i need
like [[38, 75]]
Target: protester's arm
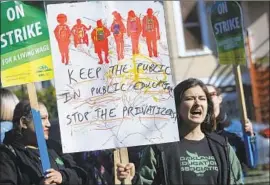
[[8, 171], [252, 140], [236, 173], [87, 28], [72, 174], [253, 145], [56, 32], [128, 28], [73, 30], [143, 26], [147, 172], [69, 31], [157, 26]]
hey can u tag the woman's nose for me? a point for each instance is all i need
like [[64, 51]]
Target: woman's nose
[[48, 123], [197, 101]]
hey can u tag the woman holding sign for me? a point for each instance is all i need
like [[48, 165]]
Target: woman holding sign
[[200, 157], [20, 160], [223, 122]]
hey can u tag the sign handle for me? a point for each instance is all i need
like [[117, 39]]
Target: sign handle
[[121, 156], [243, 112], [116, 156], [42, 146], [240, 91]]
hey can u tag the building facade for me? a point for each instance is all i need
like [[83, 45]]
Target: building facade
[[193, 51]]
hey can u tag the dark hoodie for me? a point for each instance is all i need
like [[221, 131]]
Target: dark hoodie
[[222, 120], [235, 141], [22, 165]]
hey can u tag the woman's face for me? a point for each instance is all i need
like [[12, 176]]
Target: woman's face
[[193, 106], [216, 99], [45, 123]]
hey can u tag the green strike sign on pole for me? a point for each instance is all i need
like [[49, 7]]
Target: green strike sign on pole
[[26, 57], [227, 24], [25, 45]]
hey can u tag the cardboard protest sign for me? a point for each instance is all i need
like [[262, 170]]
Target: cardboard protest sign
[[25, 48], [112, 74], [227, 24]]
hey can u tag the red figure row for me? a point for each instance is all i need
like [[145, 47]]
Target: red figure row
[[149, 29]]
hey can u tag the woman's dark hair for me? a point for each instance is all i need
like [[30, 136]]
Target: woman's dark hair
[[22, 109], [218, 90], [209, 122]]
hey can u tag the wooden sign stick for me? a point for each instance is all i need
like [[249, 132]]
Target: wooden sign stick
[[42, 146], [244, 117], [121, 156], [116, 157], [240, 91]]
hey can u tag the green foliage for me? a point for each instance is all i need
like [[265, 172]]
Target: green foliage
[[21, 93], [46, 96]]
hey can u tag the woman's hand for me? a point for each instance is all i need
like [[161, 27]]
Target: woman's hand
[[53, 177], [249, 127], [123, 171]]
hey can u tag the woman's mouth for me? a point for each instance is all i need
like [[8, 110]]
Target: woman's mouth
[[196, 112], [46, 131]]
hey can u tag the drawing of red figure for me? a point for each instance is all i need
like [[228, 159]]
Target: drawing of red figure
[[134, 29], [100, 39], [151, 32], [118, 29], [79, 33], [62, 34]]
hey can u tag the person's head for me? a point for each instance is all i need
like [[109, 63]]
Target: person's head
[[193, 105], [8, 102], [99, 23], [131, 13], [79, 22], [23, 121], [114, 13], [118, 17], [149, 11], [61, 18], [216, 97]]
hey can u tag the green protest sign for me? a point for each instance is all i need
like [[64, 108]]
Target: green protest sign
[[227, 24], [25, 46], [26, 57]]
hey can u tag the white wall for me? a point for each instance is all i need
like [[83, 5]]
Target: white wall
[[256, 19]]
